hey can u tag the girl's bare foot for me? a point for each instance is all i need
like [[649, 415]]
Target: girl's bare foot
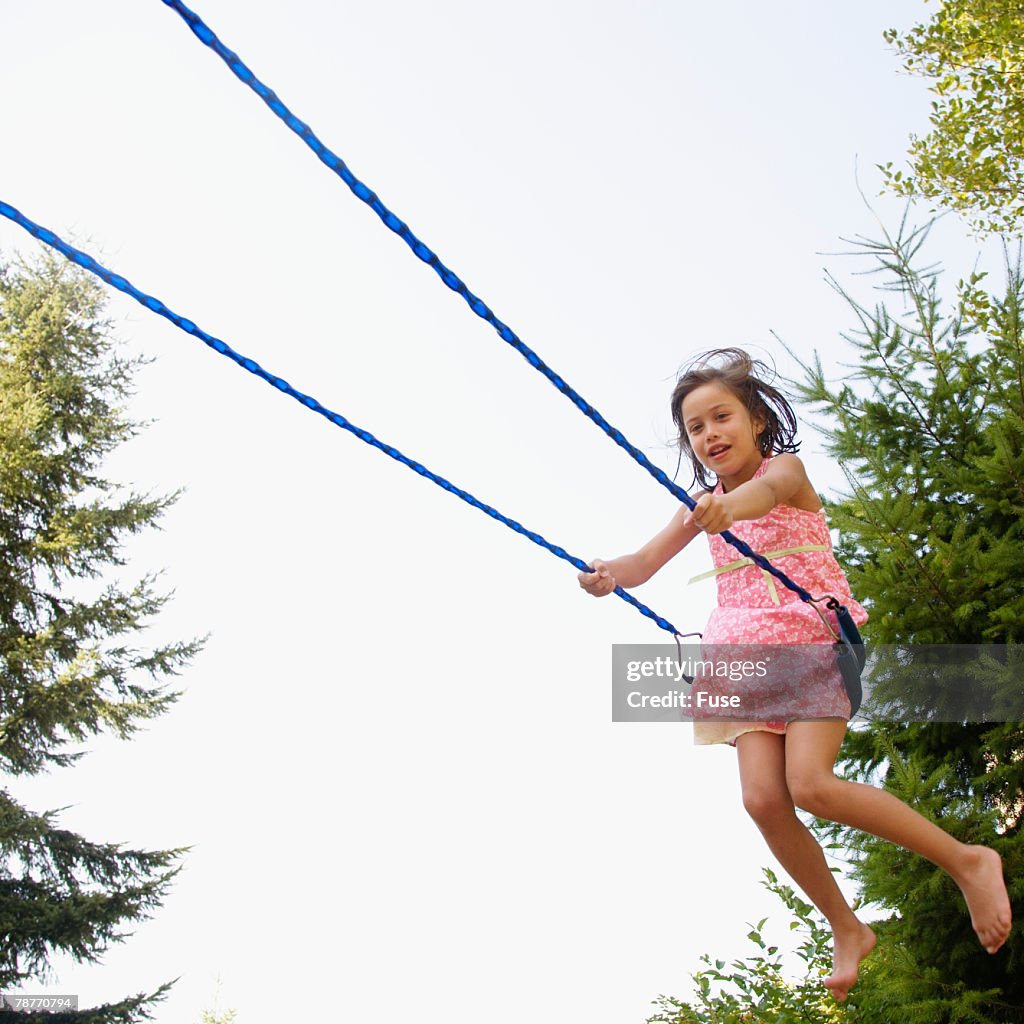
[[849, 947], [985, 891]]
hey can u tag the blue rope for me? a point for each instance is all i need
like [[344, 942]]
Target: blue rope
[[238, 67], [156, 306]]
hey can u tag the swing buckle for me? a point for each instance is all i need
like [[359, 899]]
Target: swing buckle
[[849, 647]]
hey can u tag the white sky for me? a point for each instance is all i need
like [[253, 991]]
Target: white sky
[[394, 760]]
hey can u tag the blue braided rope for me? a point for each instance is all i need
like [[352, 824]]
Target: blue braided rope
[[156, 306], [330, 159]]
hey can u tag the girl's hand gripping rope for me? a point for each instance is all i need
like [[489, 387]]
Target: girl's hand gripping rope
[[711, 514], [598, 583]]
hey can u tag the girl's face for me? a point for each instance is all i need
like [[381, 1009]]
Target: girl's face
[[722, 433]]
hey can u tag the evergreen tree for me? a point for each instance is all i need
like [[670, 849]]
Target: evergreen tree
[[929, 428], [68, 667]]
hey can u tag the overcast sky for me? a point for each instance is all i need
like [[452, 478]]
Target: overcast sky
[[395, 761]]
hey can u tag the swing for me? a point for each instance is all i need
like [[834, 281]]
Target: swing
[[848, 644]]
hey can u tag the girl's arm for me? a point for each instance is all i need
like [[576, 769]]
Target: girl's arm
[[782, 482], [632, 570]]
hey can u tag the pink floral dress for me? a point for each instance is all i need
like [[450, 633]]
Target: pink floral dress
[[755, 608]]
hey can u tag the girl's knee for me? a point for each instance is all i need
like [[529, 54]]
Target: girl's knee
[[766, 804], [813, 792]]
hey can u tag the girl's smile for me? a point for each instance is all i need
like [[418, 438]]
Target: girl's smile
[[722, 433]]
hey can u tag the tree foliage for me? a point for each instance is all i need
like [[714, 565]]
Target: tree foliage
[[215, 1017], [757, 987], [70, 667], [972, 160], [929, 428]]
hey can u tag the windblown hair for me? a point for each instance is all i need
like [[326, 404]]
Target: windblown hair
[[745, 378]]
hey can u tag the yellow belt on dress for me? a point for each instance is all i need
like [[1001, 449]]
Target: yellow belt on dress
[[740, 563]]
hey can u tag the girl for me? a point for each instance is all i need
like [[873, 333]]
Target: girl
[[740, 428]]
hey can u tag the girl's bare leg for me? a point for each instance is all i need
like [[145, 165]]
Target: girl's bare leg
[[766, 797], [811, 749]]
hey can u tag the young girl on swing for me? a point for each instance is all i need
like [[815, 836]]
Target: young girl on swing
[[737, 426]]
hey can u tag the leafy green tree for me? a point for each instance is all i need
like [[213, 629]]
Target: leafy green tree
[[929, 429], [214, 1017], [757, 987], [972, 160], [68, 665]]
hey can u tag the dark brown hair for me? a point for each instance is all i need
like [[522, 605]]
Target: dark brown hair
[[745, 378]]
